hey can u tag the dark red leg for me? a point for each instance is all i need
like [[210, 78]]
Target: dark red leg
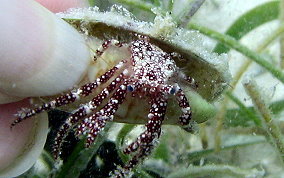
[[185, 108], [70, 97], [96, 122], [106, 44], [146, 141], [82, 112]]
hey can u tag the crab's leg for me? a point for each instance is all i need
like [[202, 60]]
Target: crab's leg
[[169, 89], [106, 44], [191, 81], [183, 103], [185, 117], [70, 97], [82, 112], [146, 141], [96, 122]]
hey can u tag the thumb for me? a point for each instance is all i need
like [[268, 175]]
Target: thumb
[[40, 53]]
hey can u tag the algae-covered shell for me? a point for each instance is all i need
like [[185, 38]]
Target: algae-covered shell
[[208, 69]]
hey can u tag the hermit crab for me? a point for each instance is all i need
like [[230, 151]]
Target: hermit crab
[[138, 70]]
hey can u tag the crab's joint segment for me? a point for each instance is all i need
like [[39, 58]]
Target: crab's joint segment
[[101, 49], [81, 113], [191, 81], [98, 120], [185, 118], [145, 143], [70, 97]]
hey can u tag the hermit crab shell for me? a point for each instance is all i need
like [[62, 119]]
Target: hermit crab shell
[[210, 70]]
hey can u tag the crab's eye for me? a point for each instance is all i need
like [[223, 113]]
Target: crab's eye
[[130, 88], [173, 91]]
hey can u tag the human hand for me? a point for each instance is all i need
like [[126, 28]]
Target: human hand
[[35, 48]]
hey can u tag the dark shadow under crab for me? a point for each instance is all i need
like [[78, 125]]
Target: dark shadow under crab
[[149, 74]]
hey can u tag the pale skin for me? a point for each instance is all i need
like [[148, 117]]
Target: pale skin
[[14, 70]]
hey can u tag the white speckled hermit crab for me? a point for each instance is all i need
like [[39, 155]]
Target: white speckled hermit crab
[[148, 73]]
